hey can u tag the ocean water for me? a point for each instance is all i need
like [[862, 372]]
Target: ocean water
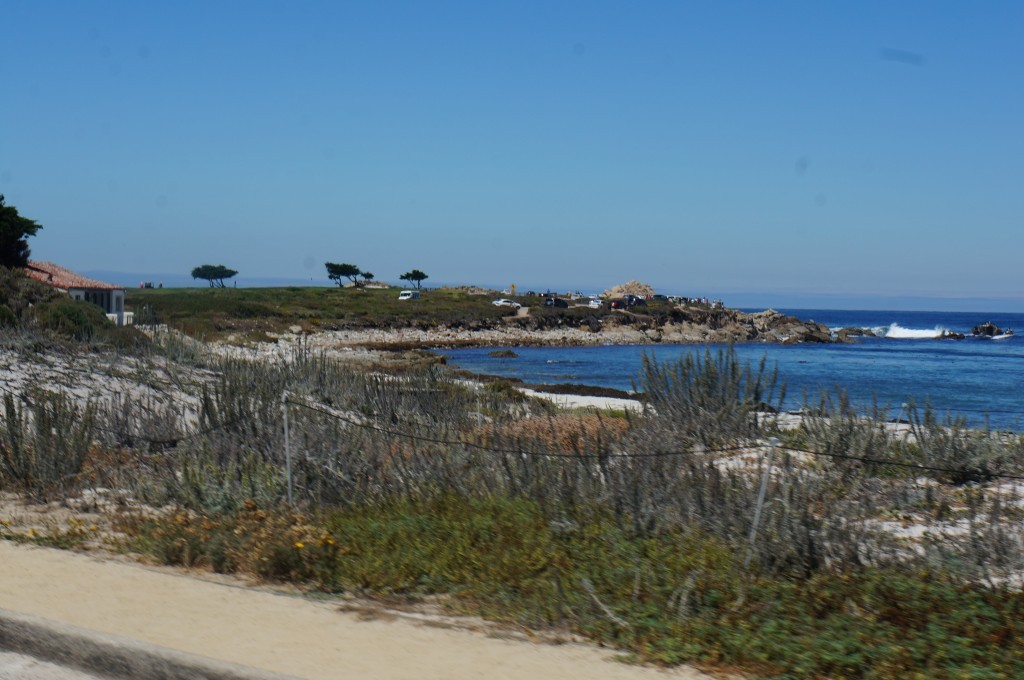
[[979, 379]]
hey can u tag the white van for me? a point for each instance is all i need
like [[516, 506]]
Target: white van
[[409, 295]]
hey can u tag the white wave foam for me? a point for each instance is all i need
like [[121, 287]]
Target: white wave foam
[[897, 331]]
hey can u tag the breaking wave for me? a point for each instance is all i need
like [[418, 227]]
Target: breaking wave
[[897, 331]]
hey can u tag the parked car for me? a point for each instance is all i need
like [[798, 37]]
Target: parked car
[[595, 303], [505, 302], [618, 303], [659, 298], [555, 302], [409, 295], [634, 301]]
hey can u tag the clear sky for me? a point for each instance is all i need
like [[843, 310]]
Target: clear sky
[[791, 150]]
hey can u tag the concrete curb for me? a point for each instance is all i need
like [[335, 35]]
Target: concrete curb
[[112, 656]]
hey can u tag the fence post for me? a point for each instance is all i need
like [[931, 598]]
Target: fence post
[[287, 445], [772, 444]]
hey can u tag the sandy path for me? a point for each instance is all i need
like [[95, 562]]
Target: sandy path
[[276, 632]]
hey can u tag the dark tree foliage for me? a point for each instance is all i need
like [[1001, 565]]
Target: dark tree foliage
[[336, 272], [416, 277], [14, 232], [367, 276], [214, 273]]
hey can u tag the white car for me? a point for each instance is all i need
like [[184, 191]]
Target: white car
[[505, 302], [595, 303], [409, 295]]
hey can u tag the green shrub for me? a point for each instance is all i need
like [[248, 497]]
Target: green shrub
[[72, 319], [707, 398], [678, 597], [19, 293]]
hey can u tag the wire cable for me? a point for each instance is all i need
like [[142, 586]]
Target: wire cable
[[488, 449], [656, 454], [913, 466]]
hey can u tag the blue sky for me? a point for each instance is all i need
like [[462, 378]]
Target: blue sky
[[790, 151]]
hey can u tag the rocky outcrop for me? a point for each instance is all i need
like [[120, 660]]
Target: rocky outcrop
[[702, 324], [989, 330], [691, 324], [850, 333], [629, 288], [773, 326]]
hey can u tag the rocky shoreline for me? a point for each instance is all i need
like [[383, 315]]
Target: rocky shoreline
[[681, 326]]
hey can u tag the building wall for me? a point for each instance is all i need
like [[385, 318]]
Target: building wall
[[110, 301]]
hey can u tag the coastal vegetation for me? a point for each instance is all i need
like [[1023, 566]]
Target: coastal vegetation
[[338, 271], [256, 311], [15, 231], [35, 312], [245, 314], [415, 277], [214, 274], [870, 553]]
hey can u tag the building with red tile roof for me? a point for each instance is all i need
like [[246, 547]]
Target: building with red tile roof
[[108, 296], [65, 279]]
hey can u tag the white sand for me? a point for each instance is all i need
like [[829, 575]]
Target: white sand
[[280, 633], [579, 401]]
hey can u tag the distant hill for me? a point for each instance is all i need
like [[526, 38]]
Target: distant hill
[[133, 279]]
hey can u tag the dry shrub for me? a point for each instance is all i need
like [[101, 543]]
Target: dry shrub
[[43, 443], [566, 433]]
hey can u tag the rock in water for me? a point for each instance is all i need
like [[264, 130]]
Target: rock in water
[[987, 330]]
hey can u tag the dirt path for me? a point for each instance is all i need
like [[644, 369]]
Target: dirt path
[[276, 632]]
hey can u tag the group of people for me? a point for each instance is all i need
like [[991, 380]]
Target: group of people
[[714, 304]]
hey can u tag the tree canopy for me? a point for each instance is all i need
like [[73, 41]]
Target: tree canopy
[[416, 277], [214, 273], [336, 272], [14, 232]]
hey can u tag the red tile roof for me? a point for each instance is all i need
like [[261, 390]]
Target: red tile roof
[[63, 278]]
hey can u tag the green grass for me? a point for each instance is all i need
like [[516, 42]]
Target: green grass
[[250, 313], [213, 312]]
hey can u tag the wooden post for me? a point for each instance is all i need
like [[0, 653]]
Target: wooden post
[[772, 443], [287, 445]]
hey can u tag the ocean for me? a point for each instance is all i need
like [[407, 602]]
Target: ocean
[[981, 380]]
